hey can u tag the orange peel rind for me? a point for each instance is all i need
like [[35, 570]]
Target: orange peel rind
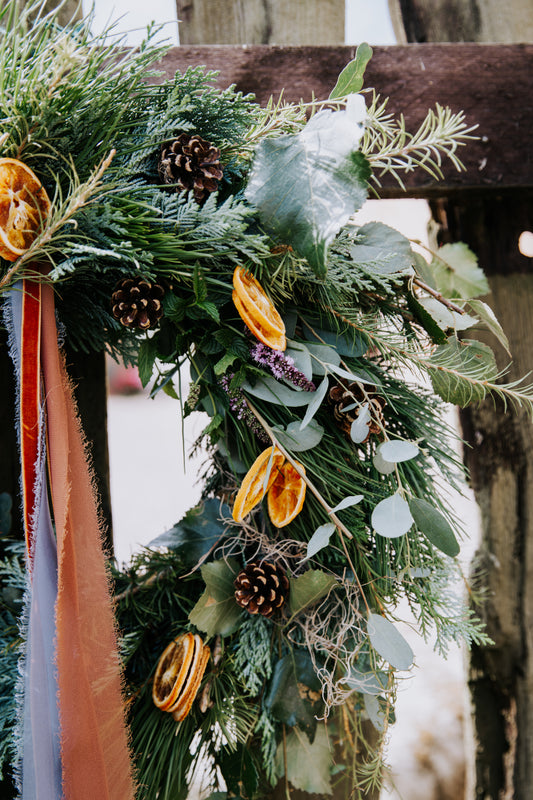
[[24, 206], [257, 311]]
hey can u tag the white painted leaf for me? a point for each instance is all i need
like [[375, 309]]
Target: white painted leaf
[[301, 357], [343, 373], [375, 713], [272, 391], [297, 440], [320, 539], [320, 354], [392, 517], [359, 427], [385, 467], [397, 450], [389, 642], [315, 403], [352, 500]]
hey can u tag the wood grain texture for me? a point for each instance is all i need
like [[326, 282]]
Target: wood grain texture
[[492, 83], [261, 21]]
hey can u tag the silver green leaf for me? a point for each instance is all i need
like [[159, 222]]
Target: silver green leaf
[[297, 440], [315, 403], [389, 642], [397, 450], [391, 517], [382, 249], [488, 319], [274, 392], [320, 539], [307, 185], [434, 525]]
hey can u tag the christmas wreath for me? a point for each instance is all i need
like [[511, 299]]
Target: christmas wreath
[[177, 223]]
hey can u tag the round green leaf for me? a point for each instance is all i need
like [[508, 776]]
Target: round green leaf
[[397, 450]]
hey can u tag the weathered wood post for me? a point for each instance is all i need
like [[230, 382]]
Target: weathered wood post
[[490, 221]]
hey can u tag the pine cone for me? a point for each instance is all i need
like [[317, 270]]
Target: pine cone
[[345, 395], [136, 302], [261, 588], [189, 162]]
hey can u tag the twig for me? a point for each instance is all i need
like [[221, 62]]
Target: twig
[[438, 296]]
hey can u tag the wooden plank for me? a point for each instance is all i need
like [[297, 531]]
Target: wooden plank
[[492, 84]]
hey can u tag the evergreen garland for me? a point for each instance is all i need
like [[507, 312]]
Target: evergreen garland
[[360, 309]]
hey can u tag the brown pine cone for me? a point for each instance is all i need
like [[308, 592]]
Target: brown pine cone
[[261, 588], [346, 399], [190, 163], [136, 303]]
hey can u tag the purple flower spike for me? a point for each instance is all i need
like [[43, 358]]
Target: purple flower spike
[[281, 366]]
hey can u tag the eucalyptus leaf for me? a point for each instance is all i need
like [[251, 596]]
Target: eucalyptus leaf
[[456, 272], [359, 427], [307, 185], [320, 354], [272, 391], [297, 440], [351, 78], [387, 640], [352, 500], [343, 373], [385, 467], [198, 531], [301, 357], [308, 588], [366, 682], [376, 713], [320, 538], [397, 450], [308, 765], [345, 344], [315, 403], [435, 526], [391, 517]]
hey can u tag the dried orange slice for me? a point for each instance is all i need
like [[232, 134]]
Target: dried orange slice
[[183, 704], [257, 311], [24, 205], [286, 495], [253, 487], [172, 670]]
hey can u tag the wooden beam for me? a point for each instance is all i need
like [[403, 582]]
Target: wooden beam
[[492, 84]]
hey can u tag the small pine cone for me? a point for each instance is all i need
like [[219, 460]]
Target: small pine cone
[[190, 163], [136, 303], [261, 588], [346, 399]]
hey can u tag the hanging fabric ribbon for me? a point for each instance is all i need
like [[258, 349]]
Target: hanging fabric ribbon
[[72, 729]]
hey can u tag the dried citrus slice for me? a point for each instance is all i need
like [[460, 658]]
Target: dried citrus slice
[[253, 487], [24, 205], [257, 311], [172, 670], [286, 495], [183, 704]]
